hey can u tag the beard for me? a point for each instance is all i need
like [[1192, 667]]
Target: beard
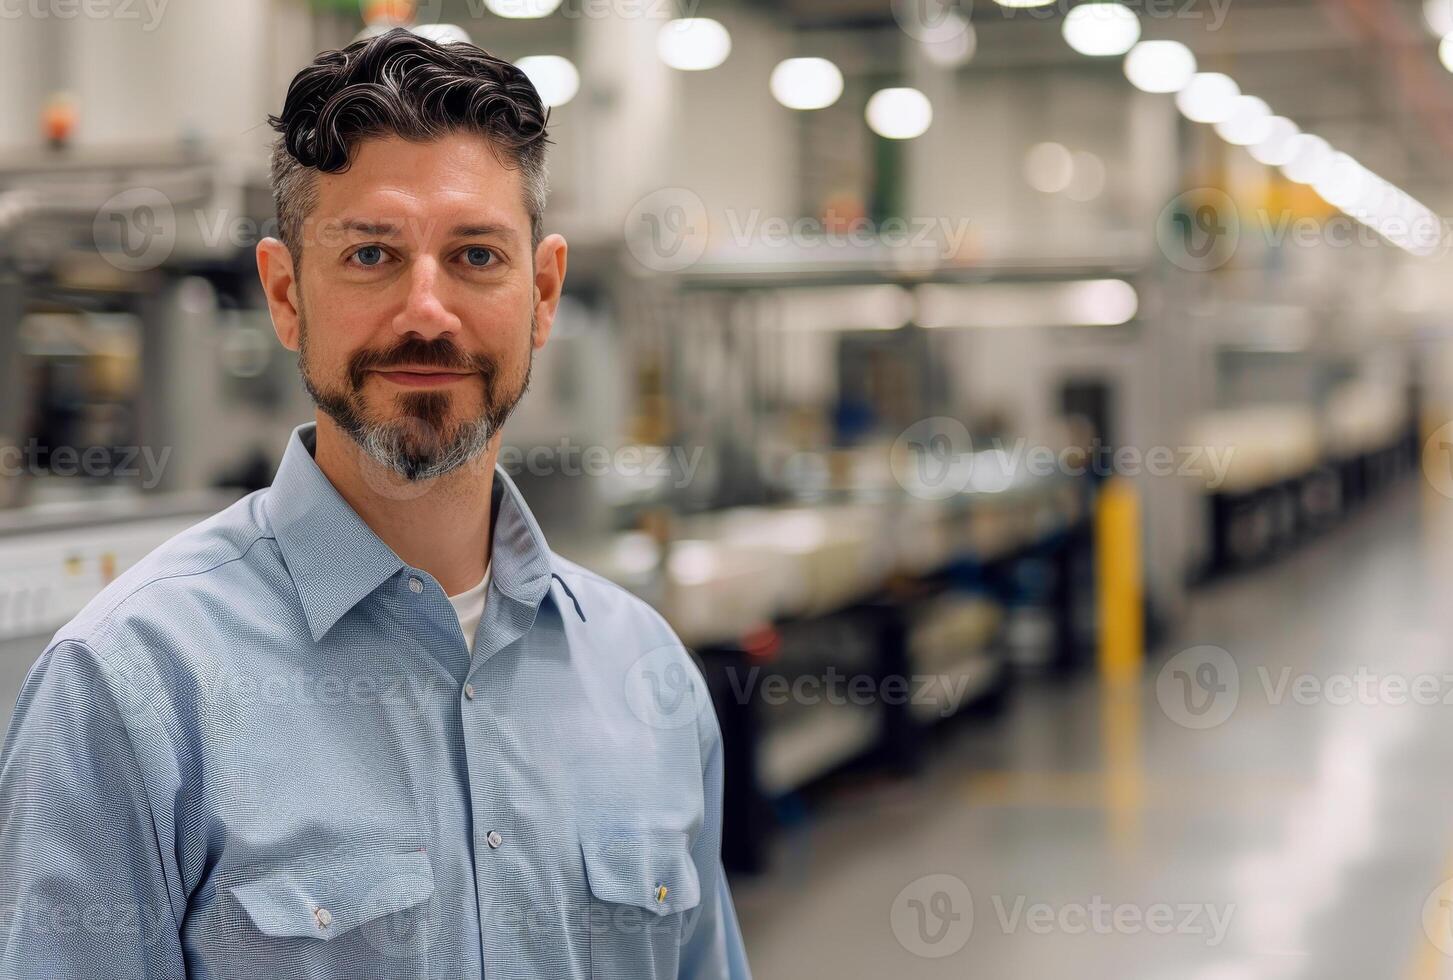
[[421, 440]]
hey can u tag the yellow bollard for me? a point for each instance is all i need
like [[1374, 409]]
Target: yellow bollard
[[1120, 596], [1120, 591]]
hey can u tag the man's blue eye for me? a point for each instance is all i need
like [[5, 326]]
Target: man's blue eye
[[478, 256], [369, 255]]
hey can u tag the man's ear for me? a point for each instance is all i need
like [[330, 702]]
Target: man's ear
[[549, 280], [279, 285]]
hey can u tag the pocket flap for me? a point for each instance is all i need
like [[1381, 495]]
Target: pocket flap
[[324, 899], [649, 871]]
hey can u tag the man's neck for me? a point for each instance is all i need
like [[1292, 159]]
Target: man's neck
[[443, 526]]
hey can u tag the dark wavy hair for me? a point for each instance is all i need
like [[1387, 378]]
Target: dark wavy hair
[[401, 84]]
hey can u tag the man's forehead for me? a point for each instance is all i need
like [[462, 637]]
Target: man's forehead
[[457, 181]]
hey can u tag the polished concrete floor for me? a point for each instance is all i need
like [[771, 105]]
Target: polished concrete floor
[[1274, 801]]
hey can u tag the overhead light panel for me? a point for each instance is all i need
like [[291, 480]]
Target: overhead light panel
[[1439, 16], [1101, 28], [1342, 183], [554, 77], [1073, 303], [1248, 124], [693, 43], [1308, 156], [1160, 66], [1208, 97], [899, 113], [521, 9], [1275, 148], [438, 33], [834, 308], [806, 83]]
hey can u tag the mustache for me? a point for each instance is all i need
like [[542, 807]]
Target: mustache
[[417, 352]]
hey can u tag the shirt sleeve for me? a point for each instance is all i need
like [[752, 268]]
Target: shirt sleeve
[[712, 948], [84, 866]]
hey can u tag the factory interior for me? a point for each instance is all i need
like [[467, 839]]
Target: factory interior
[[1036, 418]]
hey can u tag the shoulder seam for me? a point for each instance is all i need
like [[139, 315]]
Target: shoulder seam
[[652, 610], [104, 615]]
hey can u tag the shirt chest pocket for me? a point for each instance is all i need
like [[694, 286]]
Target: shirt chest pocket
[[359, 915], [644, 900]]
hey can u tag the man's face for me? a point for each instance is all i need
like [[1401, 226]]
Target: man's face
[[416, 300]]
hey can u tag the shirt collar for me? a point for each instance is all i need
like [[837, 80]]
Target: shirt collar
[[336, 560], [520, 558]]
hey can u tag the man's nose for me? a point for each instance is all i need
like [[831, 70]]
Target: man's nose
[[426, 311]]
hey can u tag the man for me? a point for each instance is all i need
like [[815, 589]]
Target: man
[[364, 723]]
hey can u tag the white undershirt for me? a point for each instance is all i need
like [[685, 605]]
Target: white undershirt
[[469, 607]]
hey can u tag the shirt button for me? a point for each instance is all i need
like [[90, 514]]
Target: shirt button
[[469, 691], [324, 917], [416, 586], [495, 840]]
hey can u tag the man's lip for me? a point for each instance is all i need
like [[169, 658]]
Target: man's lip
[[417, 378], [417, 370]]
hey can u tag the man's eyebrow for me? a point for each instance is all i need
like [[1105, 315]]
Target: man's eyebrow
[[378, 229], [483, 231], [389, 229]]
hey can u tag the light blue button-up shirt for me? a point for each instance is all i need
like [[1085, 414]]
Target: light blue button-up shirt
[[264, 752]]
